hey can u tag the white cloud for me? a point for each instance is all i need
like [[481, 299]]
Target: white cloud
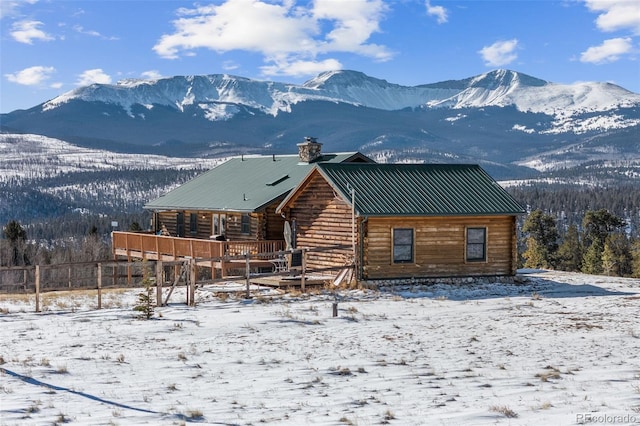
[[609, 51], [230, 66], [438, 11], [300, 68], [93, 76], [27, 31], [151, 75], [80, 29], [353, 24], [616, 14], [32, 76], [11, 7], [290, 37], [499, 53]]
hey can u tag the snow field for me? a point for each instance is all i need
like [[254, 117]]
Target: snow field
[[554, 350]]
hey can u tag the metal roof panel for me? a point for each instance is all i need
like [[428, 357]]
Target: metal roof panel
[[420, 189], [243, 184]]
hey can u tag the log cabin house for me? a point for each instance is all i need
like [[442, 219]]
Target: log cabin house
[[406, 221], [228, 210]]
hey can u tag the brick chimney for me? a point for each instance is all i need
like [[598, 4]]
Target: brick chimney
[[309, 150]]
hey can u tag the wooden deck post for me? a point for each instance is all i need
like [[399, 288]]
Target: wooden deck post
[[99, 285], [37, 288], [129, 272], [192, 283], [159, 281], [303, 267], [248, 275]]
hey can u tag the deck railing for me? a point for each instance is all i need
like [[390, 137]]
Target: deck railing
[[141, 245]]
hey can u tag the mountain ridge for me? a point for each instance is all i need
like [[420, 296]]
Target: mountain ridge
[[495, 88], [502, 118]]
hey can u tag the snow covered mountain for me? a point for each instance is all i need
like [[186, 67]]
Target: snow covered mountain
[[480, 119], [219, 95]]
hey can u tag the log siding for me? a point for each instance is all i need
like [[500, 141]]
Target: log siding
[[440, 247], [322, 219]]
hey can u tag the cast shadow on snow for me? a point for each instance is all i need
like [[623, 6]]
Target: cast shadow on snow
[[36, 382], [529, 287]]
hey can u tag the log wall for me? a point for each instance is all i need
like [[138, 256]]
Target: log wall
[[322, 219], [439, 247], [265, 225]]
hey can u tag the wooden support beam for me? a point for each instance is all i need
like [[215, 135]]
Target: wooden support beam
[[37, 288], [248, 275], [159, 282], [99, 285], [192, 283], [303, 267]]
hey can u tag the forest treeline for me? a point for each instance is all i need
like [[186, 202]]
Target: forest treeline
[[567, 204], [599, 246], [567, 227]]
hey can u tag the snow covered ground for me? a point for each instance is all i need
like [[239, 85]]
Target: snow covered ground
[[558, 349]]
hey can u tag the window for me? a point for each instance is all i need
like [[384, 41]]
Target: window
[[403, 245], [180, 224], [476, 244], [245, 224], [193, 223], [219, 222]]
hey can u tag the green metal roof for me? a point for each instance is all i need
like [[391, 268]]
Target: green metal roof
[[420, 189], [243, 184]]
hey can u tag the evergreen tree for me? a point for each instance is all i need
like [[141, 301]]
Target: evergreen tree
[[145, 298], [592, 261], [535, 256], [569, 255], [635, 262], [14, 232], [608, 259], [541, 228], [597, 225], [17, 236], [616, 256]]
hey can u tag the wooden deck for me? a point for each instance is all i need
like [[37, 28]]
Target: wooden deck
[[289, 282], [218, 255]]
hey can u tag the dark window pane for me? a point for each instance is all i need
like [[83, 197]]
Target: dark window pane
[[402, 245], [246, 224], [475, 251], [475, 235], [476, 244], [402, 254], [403, 236]]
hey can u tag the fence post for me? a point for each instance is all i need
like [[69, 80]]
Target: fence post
[[192, 282], [248, 274], [159, 282], [99, 285], [37, 288], [303, 267]]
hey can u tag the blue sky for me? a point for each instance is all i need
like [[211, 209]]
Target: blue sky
[[50, 47]]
